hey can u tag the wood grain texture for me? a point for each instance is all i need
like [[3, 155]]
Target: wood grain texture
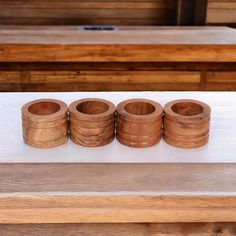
[[140, 58], [222, 77], [44, 123], [129, 192], [139, 123], [116, 76], [141, 229], [92, 122], [221, 12], [186, 123], [79, 12], [208, 45], [93, 76]]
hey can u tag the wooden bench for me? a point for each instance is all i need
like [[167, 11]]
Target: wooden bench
[[116, 190], [127, 58]]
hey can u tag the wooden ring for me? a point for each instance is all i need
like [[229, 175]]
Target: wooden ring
[[44, 123], [139, 122], [186, 123], [92, 122]]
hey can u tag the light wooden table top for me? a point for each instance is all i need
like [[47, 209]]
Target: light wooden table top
[[69, 35], [220, 149], [159, 184], [151, 44]]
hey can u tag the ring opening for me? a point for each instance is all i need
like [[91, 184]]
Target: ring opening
[[187, 108], [139, 108], [92, 107], [44, 108]]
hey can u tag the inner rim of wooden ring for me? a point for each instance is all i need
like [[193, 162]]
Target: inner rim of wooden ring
[[187, 108], [92, 107], [139, 108], [44, 108]]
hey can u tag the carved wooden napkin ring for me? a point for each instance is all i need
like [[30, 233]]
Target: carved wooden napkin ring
[[139, 122], [45, 123], [92, 122], [186, 123]]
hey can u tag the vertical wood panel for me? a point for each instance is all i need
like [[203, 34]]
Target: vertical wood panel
[[185, 13], [200, 12], [191, 12]]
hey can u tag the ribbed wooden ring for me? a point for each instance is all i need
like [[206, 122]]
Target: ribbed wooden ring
[[186, 123], [139, 122], [44, 123], [92, 122]]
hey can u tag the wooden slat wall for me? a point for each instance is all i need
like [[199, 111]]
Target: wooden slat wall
[[100, 80], [109, 12], [27, 77], [87, 12], [221, 12]]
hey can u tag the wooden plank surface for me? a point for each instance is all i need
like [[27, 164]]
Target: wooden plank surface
[[167, 45], [141, 229], [62, 12], [99, 80], [98, 193], [221, 77], [100, 76], [221, 12], [110, 76], [220, 149], [122, 35]]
